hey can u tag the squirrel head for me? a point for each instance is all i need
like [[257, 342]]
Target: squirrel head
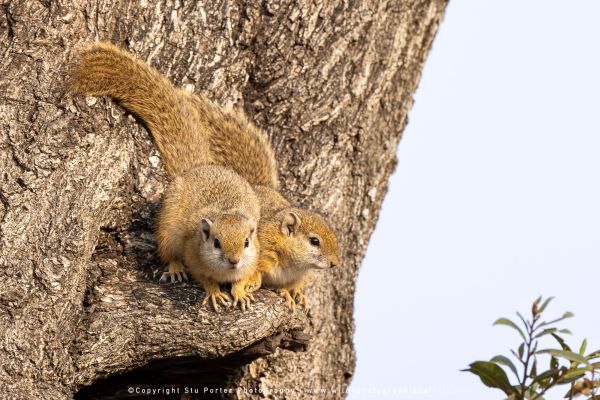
[[229, 241], [311, 241]]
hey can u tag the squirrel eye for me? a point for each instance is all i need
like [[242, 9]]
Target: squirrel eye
[[246, 243], [217, 244], [314, 241]]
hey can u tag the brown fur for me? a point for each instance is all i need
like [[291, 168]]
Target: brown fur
[[207, 192], [288, 251], [104, 69], [189, 130], [204, 202], [179, 121], [236, 143], [227, 201], [286, 255]]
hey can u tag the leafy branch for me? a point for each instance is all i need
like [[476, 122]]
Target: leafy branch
[[566, 366]]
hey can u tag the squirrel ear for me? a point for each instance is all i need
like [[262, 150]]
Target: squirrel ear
[[205, 226], [290, 224]]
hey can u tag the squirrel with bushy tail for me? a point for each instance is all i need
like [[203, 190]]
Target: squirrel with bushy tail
[[222, 218]]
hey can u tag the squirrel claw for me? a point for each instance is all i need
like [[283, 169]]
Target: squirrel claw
[[299, 297], [175, 271], [289, 300], [215, 298], [174, 277], [244, 303], [243, 298]]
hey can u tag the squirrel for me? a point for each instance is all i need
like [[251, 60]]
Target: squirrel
[[292, 240], [208, 223], [209, 214]]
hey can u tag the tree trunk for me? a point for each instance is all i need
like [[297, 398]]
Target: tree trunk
[[81, 309]]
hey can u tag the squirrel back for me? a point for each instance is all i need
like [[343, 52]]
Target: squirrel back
[[237, 143], [188, 129]]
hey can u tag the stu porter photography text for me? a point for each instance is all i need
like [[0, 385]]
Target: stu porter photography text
[[221, 390], [280, 391]]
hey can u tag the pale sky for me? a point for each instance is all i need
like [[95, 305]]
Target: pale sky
[[494, 202]]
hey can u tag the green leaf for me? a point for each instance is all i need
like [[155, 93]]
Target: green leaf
[[583, 347], [571, 376], [566, 315], [491, 375], [506, 361], [533, 370], [545, 375], [508, 322], [594, 354], [522, 319], [545, 332], [569, 355], [545, 304], [535, 310], [553, 363], [561, 341], [521, 350], [574, 373], [566, 331]]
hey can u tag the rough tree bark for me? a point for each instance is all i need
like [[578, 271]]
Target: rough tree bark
[[331, 82]]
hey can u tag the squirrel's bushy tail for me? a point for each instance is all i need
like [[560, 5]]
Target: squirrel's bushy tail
[[237, 143], [187, 129], [104, 69]]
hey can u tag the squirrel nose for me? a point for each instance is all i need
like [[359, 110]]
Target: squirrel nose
[[233, 261], [332, 265]]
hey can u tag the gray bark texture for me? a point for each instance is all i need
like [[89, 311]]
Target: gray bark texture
[[81, 310]]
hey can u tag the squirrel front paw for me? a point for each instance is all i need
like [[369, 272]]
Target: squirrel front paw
[[240, 295], [175, 271], [216, 297]]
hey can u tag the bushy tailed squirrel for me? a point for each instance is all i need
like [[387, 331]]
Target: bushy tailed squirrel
[[209, 214], [191, 130]]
